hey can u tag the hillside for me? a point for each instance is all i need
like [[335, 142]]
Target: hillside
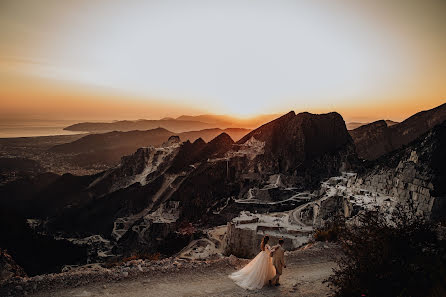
[[379, 138], [168, 123], [354, 125], [109, 147], [180, 124]]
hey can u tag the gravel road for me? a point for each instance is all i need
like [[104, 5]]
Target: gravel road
[[303, 276]]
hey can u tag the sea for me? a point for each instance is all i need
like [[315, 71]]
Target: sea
[[10, 128]]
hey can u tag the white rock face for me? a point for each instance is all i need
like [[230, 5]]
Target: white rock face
[[137, 168], [210, 247], [404, 184], [154, 159], [166, 213], [251, 148], [344, 195], [246, 232]]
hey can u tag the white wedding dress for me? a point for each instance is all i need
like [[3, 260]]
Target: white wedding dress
[[256, 273]]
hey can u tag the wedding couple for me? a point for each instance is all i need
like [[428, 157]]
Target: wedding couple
[[265, 268]]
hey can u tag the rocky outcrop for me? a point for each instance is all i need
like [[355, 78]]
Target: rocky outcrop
[[293, 139], [372, 140], [412, 178], [8, 267], [379, 138], [246, 231], [306, 146], [156, 231], [142, 167], [415, 175], [218, 146]]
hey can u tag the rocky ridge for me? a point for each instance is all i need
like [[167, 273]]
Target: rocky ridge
[[8, 267], [378, 138]]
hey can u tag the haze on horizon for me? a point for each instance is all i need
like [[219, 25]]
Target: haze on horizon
[[100, 60]]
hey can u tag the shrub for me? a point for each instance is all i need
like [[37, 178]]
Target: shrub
[[402, 258], [329, 232]]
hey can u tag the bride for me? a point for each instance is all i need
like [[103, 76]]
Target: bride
[[258, 272]]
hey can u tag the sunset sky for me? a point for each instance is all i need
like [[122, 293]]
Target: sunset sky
[[97, 60]]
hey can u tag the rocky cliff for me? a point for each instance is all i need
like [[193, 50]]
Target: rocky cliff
[[8, 267], [307, 146], [411, 178], [415, 175], [378, 138]]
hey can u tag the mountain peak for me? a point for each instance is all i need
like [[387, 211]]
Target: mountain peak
[[220, 144], [292, 139], [174, 139], [222, 139], [199, 141]]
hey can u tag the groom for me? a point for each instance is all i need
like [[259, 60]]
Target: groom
[[278, 262]]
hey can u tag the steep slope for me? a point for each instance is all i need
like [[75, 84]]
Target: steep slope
[[354, 125], [305, 145], [109, 147], [411, 178], [114, 140], [372, 140], [414, 175], [378, 138], [8, 267]]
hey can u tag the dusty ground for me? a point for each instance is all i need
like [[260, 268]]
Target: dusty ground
[[303, 276]]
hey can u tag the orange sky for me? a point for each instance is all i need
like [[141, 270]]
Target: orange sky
[[104, 60]]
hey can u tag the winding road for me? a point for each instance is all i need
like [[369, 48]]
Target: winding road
[[303, 276]]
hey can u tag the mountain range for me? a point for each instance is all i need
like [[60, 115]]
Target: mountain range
[[186, 123], [109, 147], [180, 124], [161, 196]]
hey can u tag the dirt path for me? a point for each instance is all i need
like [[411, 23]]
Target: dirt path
[[303, 276]]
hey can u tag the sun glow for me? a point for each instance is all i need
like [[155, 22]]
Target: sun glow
[[235, 57]]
